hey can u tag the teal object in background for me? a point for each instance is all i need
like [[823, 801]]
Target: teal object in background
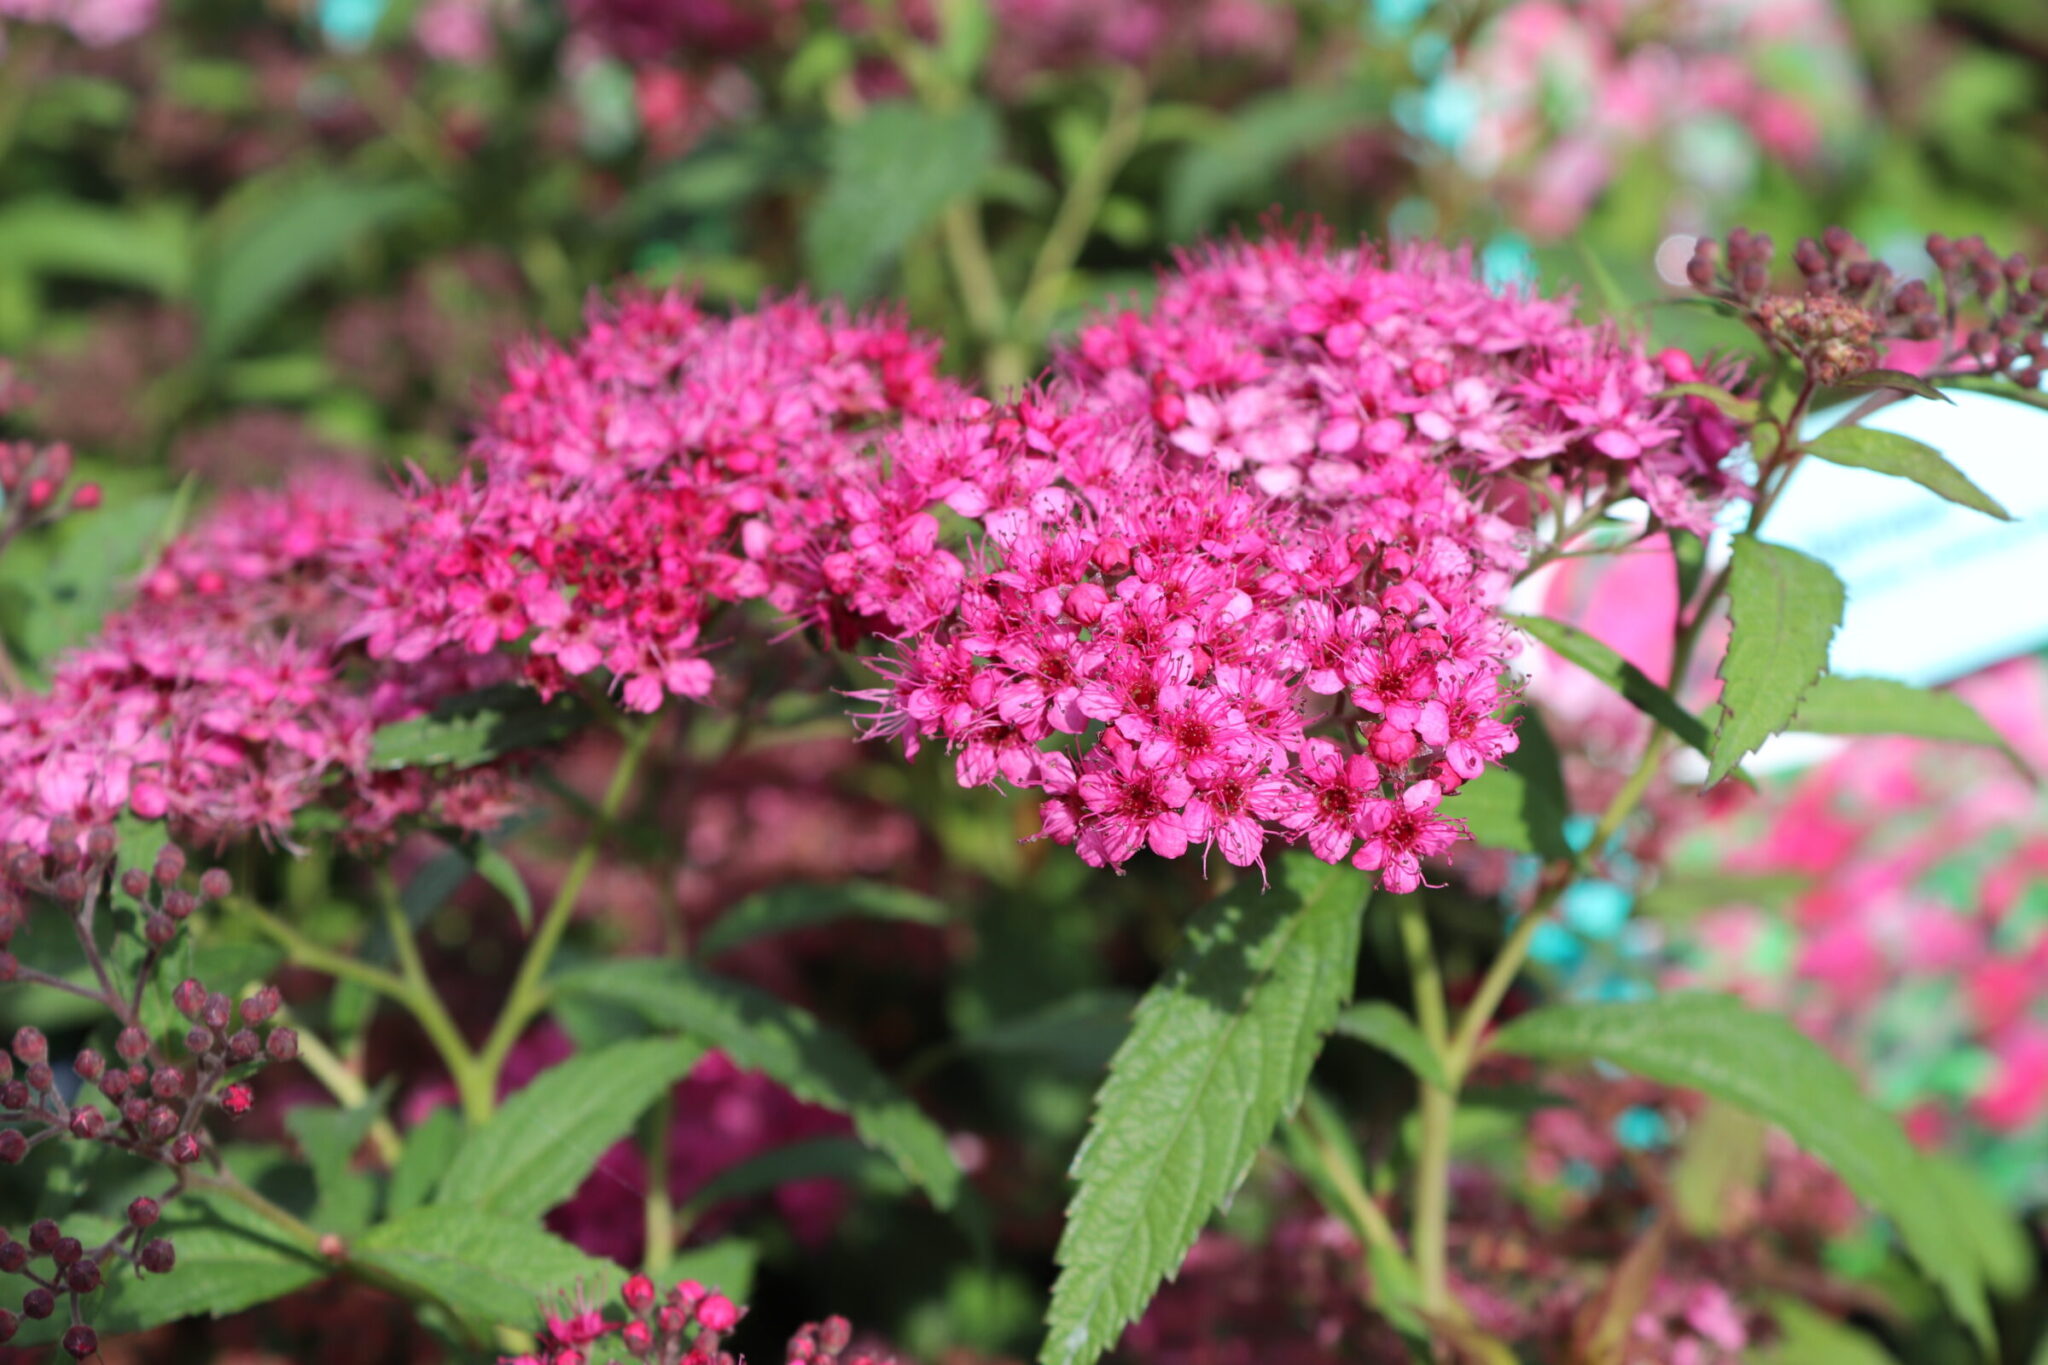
[[350, 24]]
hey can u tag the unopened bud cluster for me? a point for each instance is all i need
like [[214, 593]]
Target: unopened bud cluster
[[685, 1326], [145, 1095], [32, 476], [1989, 309], [63, 1269]]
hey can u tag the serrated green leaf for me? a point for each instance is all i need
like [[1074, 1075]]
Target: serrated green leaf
[[429, 1151], [476, 728], [1887, 452], [1785, 607], [1717, 1045], [787, 1044], [1883, 706], [542, 1142], [257, 263], [1633, 685], [487, 1269], [78, 571], [893, 172], [1895, 379], [1379, 1024], [801, 907], [1219, 1053]]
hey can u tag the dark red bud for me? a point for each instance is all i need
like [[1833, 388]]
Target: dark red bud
[[83, 1278], [38, 1303], [159, 930], [13, 1256], [41, 1077], [87, 1124], [158, 1257], [161, 1122], [189, 998], [135, 1109], [144, 1212], [198, 1040], [30, 1045], [216, 884], [243, 1045], [100, 844], [9, 1325], [237, 1100], [132, 1045], [179, 904], [185, 1149], [42, 1235], [218, 1012], [135, 883], [282, 1045], [166, 1081], [67, 1250], [81, 1341], [89, 1065], [261, 1004], [13, 1147], [170, 865], [14, 1095]]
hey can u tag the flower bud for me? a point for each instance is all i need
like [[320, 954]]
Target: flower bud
[[170, 865], [189, 998], [282, 1045], [215, 883], [30, 1045], [243, 1045], [159, 930], [135, 883], [179, 903], [13, 1147], [219, 1011], [718, 1314], [41, 1078], [834, 1334], [198, 1040], [87, 1124], [638, 1293], [42, 1235], [158, 1256], [10, 967], [83, 1278], [13, 1256], [161, 1122], [81, 1341], [237, 1100], [135, 1109], [89, 1065], [185, 1149], [261, 1004], [9, 1325], [38, 1303], [64, 833], [14, 1095], [638, 1337], [166, 1081], [101, 843], [144, 1212], [690, 1293], [132, 1045], [66, 1251], [69, 886], [115, 1083]]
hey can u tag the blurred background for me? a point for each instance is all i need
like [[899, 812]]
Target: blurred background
[[240, 239]]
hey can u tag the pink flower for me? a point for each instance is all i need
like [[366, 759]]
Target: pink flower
[[1400, 834]]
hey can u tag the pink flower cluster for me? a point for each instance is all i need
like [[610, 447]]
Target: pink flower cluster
[[224, 698], [686, 1326], [626, 486], [1238, 562]]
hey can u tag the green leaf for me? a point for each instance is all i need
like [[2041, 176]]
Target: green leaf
[[1241, 159], [1882, 706], [1807, 1336], [1999, 1241], [1384, 1026], [835, 1158], [1998, 386], [221, 1269], [476, 728], [329, 1139], [74, 573], [1219, 1053], [1895, 379], [496, 869], [1503, 809], [1887, 452], [1079, 1032], [1719, 1167], [487, 1269], [1689, 554], [893, 172], [429, 1151], [801, 907], [1785, 607], [787, 1044], [1686, 896], [1717, 1045], [966, 28], [727, 1266], [258, 262], [1740, 409], [542, 1142], [1634, 686], [146, 244]]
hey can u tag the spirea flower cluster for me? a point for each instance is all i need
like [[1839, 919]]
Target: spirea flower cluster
[[668, 462], [688, 1325], [1238, 561], [225, 697]]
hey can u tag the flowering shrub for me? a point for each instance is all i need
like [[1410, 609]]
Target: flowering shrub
[[658, 657]]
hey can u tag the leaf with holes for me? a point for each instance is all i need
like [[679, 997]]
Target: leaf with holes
[[1219, 1053], [1717, 1045], [1784, 608], [533, 1153]]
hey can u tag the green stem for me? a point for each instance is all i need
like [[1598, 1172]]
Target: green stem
[[341, 1081], [528, 994], [1431, 1215], [304, 952], [660, 1211], [231, 1187], [1366, 1214], [473, 1085]]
